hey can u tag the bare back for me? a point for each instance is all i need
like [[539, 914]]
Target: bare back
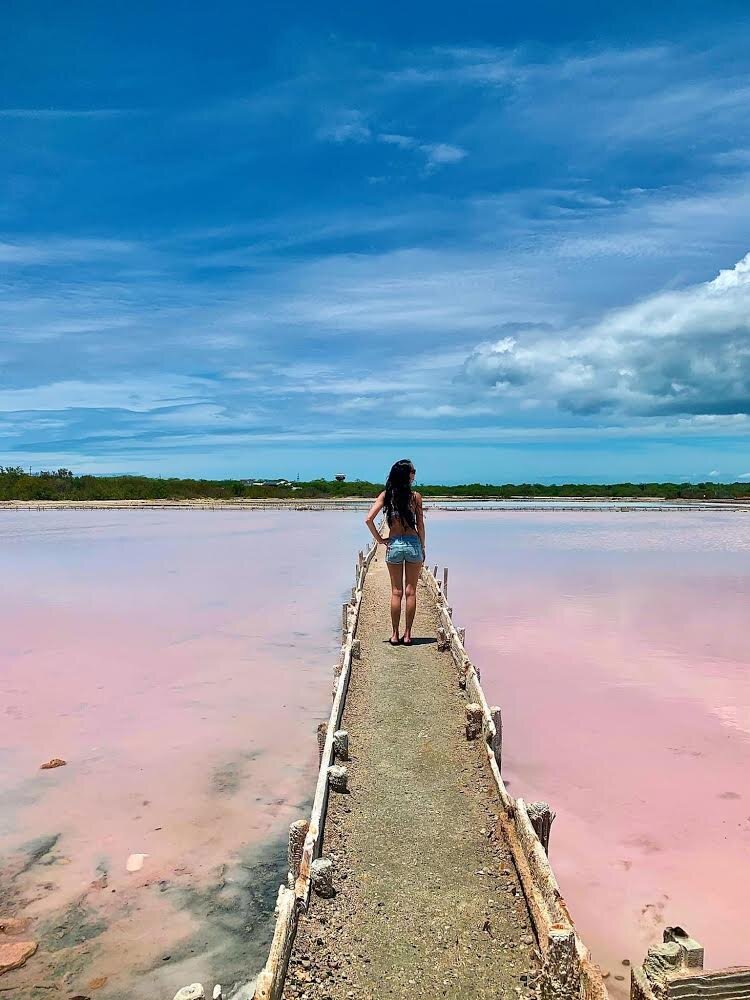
[[397, 527]]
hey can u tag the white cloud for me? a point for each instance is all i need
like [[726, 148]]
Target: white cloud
[[394, 139], [442, 152], [63, 251], [681, 352], [733, 158], [138, 394], [351, 127], [55, 114]]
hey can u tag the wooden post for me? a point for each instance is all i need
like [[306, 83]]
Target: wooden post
[[561, 975], [356, 649], [322, 733], [541, 817], [443, 642], [473, 721], [345, 617], [692, 950], [496, 741], [462, 635], [341, 744], [193, 992], [321, 877], [270, 983], [463, 671], [297, 833], [337, 778], [445, 582], [434, 571]]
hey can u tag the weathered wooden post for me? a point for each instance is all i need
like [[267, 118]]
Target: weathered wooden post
[[344, 618], [434, 571], [473, 721], [321, 877], [443, 642], [322, 733], [445, 582], [297, 833], [341, 744], [462, 635], [693, 954], [193, 992], [561, 974], [463, 671], [496, 740], [356, 649], [337, 778], [541, 817]]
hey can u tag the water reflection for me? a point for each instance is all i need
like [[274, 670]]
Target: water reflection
[[179, 662], [617, 649]]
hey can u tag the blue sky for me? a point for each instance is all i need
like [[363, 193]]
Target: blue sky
[[271, 239]]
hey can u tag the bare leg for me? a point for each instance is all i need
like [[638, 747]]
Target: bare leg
[[411, 572], [396, 572]]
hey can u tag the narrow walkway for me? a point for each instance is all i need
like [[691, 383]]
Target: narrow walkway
[[428, 902]]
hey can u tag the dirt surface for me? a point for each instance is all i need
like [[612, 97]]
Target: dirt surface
[[428, 902]]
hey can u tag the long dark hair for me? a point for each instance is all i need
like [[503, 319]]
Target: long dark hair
[[398, 494]]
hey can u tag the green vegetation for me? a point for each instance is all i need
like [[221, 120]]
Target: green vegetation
[[15, 484]]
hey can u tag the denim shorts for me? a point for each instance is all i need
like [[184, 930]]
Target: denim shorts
[[405, 548]]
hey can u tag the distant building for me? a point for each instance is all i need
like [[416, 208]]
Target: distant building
[[266, 482], [340, 477]]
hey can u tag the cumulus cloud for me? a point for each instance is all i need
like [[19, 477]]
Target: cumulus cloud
[[682, 352]]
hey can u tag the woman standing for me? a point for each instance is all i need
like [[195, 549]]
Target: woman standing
[[406, 547]]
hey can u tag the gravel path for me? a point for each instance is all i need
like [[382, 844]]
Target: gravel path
[[428, 902]]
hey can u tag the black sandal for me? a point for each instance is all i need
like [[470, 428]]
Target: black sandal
[[396, 643]]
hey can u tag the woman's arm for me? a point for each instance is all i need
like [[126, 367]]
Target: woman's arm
[[370, 519], [420, 521]]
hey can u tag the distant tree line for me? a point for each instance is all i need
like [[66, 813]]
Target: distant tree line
[[62, 484]]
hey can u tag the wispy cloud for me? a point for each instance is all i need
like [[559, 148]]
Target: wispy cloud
[[58, 114], [138, 394], [351, 126], [59, 250], [531, 248]]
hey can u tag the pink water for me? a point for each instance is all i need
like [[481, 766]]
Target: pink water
[[179, 662], [617, 647]]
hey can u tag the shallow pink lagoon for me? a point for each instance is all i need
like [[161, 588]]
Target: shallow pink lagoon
[[617, 646], [179, 662]]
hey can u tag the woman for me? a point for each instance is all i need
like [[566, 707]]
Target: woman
[[406, 549]]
